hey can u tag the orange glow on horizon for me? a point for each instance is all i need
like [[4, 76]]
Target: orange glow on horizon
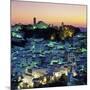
[[23, 12]]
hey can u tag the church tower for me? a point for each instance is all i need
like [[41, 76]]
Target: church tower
[[34, 20]]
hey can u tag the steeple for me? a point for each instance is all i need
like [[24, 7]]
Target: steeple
[[62, 25], [34, 20]]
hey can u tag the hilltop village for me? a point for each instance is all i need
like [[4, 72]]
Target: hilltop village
[[45, 55], [40, 29]]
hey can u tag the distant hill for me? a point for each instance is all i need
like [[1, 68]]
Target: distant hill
[[82, 29]]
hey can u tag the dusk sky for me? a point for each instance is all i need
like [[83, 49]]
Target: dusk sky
[[23, 12]]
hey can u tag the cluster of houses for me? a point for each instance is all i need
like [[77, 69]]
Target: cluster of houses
[[40, 29]]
